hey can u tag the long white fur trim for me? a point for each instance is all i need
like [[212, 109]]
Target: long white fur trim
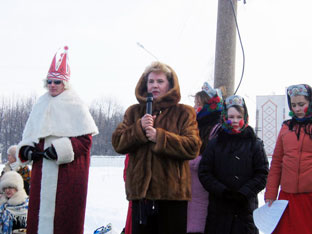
[[48, 196], [49, 181], [64, 150]]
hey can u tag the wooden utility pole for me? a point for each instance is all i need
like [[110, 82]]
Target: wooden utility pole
[[224, 74]]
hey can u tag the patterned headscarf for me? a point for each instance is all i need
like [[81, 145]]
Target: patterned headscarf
[[300, 90], [233, 101], [215, 102], [306, 122]]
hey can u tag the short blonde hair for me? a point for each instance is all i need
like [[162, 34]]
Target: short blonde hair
[[159, 67], [12, 150], [67, 85]]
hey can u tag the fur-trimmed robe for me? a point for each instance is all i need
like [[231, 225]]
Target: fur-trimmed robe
[[59, 188], [159, 171]]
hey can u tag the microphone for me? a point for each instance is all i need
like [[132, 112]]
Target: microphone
[[149, 102]]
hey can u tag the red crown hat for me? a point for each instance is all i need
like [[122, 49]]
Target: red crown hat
[[59, 69]]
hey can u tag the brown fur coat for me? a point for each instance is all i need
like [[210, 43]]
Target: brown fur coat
[[159, 171]]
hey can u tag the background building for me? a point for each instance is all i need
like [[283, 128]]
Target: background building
[[271, 112]]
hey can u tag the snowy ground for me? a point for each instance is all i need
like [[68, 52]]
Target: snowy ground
[[106, 202]]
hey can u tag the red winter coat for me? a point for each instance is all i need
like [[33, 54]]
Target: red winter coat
[[71, 191], [291, 165]]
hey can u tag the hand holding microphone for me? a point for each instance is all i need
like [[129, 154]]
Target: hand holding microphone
[[147, 120]]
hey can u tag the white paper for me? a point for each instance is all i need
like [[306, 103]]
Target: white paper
[[266, 218]]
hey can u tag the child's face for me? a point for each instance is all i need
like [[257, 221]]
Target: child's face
[[9, 192]]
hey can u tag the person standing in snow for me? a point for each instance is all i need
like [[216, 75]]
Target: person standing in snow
[[233, 170], [159, 146], [57, 139], [13, 203], [290, 173], [13, 165], [208, 106]]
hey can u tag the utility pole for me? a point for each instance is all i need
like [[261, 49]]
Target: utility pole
[[224, 74]]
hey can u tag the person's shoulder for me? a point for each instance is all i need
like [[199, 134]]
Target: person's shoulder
[[133, 107], [185, 108]]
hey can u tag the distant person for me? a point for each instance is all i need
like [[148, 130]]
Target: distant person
[[208, 107], [13, 165], [233, 170], [13, 204], [291, 166], [159, 146], [57, 139]]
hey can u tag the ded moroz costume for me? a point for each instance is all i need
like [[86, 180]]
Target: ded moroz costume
[[57, 138]]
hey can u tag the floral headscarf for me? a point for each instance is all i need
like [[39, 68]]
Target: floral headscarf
[[233, 101]]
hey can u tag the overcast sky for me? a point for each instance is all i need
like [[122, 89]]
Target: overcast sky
[[106, 61]]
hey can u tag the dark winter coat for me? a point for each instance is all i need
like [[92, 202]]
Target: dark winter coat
[[159, 171], [205, 125], [236, 163]]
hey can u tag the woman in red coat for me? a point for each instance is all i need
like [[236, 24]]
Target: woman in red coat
[[291, 166]]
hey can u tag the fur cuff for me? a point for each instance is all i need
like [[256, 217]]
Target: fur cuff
[[64, 150]]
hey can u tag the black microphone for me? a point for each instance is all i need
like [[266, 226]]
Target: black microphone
[[149, 102]]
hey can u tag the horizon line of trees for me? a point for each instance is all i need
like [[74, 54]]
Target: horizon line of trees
[[14, 112]]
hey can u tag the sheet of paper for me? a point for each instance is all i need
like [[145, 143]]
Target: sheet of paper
[[266, 218]]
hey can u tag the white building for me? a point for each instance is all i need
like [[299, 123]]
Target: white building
[[271, 112]]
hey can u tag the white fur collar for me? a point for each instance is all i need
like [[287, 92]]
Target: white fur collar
[[64, 116]]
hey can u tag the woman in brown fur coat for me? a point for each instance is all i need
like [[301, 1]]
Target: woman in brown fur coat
[[159, 147]]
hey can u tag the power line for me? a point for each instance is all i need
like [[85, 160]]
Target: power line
[[150, 53]]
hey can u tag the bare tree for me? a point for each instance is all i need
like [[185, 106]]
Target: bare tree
[[14, 113], [107, 115]]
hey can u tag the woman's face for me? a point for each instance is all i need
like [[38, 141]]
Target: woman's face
[[197, 103], [11, 158], [9, 192], [299, 105], [235, 117], [55, 87], [157, 84]]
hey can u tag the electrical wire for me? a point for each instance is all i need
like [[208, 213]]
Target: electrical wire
[[240, 40], [150, 53]]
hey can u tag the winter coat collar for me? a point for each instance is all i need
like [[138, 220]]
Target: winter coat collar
[[18, 198], [64, 116], [171, 98]]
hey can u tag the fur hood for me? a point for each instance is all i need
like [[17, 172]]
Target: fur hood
[[172, 97], [13, 179]]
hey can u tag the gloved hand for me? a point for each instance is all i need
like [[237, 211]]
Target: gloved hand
[[50, 153], [30, 153], [234, 196]]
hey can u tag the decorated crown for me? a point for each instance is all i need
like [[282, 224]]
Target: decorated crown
[[234, 100], [211, 91], [297, 90], [59, 68]]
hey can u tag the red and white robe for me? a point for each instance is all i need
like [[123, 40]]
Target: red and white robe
[[59, 188]]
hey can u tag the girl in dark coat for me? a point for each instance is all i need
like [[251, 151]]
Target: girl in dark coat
[[233, 170], [208, 106]]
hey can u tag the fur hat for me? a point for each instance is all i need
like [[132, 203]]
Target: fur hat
[[11, 179]]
